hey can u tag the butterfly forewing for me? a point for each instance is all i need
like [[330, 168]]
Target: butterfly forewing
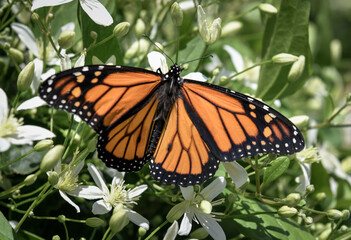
[[236, 126]]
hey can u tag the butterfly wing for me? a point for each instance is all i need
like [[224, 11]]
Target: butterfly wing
[[182, 157], [235, 126], [119, 103]]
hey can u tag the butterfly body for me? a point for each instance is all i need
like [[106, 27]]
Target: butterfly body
[[182, 127]]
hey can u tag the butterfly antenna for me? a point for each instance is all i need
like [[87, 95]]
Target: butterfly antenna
[[146, 36], [197, 59]]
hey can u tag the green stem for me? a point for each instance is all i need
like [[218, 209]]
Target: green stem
[[257, 177], [17, 159], [156, 230], [106, 233], [249, 68], [203, 53], [246, 12]]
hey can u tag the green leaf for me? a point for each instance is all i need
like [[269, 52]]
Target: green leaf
[[6, 231], [266, 226], [286, 32], [193, 50], [105, 50], [277, 168]]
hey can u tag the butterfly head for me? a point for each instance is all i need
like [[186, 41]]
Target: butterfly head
[[173, 74]]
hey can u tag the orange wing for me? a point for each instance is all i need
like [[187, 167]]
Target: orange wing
[[181, 156], [235, 126]]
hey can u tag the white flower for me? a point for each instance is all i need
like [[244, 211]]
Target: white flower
[[158, 61], [12, 130], [198, 207], [95, 10], [117, 194], [172, 231], [236, 172]]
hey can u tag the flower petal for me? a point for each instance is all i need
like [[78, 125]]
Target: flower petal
[[236, 58], [172, 231], [196, 76], [99, 181], [87, 192], [97, 12], [78, 168], [45, 3], [27, 37], [80, 61], [34, 133], [3, 105], [4, 145], [137, 219], [185, 226], [188, 192], [67, 199], [137, 191], [157, 61], [236, 172], [304, 179], [31, 103], [211, 226], [101, 207], [214, 188], [38, 70]]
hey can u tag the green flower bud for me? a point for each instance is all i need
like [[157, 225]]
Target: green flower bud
[[293, 199], [310, 188], [51, 16], [93, 35], [16, 55], [268, 8], [53, 178], [346, 164], [334, 214], [30, 179], [309, 155], [325, 234], [43, 145], [139, 47], [139, 27], [335, 49], [345, 214], [61, 218], [215, 72], [142, 231], [177, 14], [209, 33], [94, 222], [25, 77], [121, 29], [287, 212], [199, 233], [297, 69], [118, 219], [56, 237], [51, 158], [35, 17], [343, 228], [231, 28], [223, 80], [177, 211], [321, 196], [66, 39], [284, 58], [206, 206], [215, 30], [308, 220], [300, 121]]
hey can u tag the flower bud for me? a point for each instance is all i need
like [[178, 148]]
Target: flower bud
[[345, 214], [121, 29], [118, 219], [211, 33], [43, 145], [309, 155], [51, 158], [284, 58], [335, 49], [66, 39], [142, 231], [296, 69], [177, 14], [321, 196], [325, 234], [199, 233], [206, 206], [310, 188], [139, 47], [177, 211], [343, 228], [308, 220], [139, 27], [30, 179], [300, 121], [334, 214], [16, 55], [215, 72], [215, 30], [35, 17], [223, 80], [51, 16], [231, 28], [53, 178], [94, 222], [287, 212], [267, 8], [61, 218], [93, 35], [293, 199], [25, 77], [56, 237]]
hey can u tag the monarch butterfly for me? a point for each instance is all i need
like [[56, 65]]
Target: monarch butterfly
[[183, 127]]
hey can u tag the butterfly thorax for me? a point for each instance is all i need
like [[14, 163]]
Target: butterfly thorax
[[169, 91]]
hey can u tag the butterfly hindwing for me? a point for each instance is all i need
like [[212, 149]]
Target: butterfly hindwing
[[236, 126], [100, 95], [181, 156]]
